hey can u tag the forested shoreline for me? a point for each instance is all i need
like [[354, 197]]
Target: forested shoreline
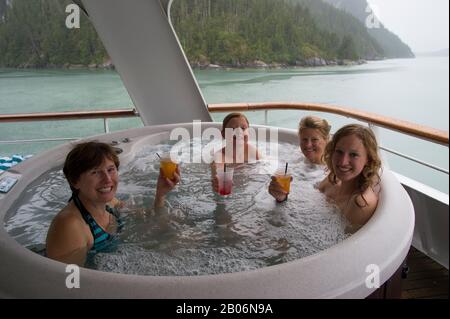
[[213, 33]]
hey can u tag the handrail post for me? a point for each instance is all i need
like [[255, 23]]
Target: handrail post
[[106, 125], [376, 131]]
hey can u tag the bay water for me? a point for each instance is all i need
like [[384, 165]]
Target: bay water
[[414, 90]]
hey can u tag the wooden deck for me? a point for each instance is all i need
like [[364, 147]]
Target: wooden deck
[[426, 278]]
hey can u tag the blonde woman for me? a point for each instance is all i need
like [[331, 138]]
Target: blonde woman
[[313, 134], [354, 173]]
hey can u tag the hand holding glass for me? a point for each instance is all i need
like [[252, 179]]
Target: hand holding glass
[[168, 167]]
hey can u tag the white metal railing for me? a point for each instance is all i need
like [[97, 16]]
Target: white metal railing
[[429, 134], [437, 168], [105, 115], [41, 140]]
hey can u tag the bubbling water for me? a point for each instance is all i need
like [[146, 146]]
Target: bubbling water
[[199, 232]]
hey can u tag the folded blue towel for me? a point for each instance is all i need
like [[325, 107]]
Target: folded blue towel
[[8, 162]]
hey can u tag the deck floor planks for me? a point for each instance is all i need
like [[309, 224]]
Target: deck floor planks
[[426, 278]]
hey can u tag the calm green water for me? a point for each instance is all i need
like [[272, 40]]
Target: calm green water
[[415, 90]]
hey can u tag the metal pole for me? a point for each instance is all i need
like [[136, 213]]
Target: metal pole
[[106, 125]]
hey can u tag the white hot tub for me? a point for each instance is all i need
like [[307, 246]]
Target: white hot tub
[[338, 272]]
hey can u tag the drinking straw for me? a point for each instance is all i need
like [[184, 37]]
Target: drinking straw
[[158, 155], [285, 171], [225, 167]]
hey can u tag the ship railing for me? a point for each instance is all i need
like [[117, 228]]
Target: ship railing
[[105, 115], [375, 121]]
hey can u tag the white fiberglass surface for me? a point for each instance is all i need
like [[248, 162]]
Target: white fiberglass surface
[[199, 232]]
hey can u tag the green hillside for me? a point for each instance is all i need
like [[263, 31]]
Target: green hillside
[[227, 32], [391, 44]]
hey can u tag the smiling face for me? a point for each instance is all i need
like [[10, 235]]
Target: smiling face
[[240, 126], [312, 144], [349, 158], [99, 184]]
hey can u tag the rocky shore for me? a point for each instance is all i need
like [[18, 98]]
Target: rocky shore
[[257, 64], [107, 65]]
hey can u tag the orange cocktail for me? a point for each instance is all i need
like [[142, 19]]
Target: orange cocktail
[[284, 181], [168, 167]]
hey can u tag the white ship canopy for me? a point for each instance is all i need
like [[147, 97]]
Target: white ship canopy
[[146, 53]]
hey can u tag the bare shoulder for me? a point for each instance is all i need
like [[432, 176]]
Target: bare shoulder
[[324, 185], [254, 151], [67, 233], [69, 217], [368, 198], [362, 207]]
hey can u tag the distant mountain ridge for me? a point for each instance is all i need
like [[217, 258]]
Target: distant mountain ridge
[[342, 23], [391, 44]]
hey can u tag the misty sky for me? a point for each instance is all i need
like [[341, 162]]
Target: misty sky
[[422, 24]]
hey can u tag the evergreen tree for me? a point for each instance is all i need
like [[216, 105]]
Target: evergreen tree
[[347, 49], [2, 10]]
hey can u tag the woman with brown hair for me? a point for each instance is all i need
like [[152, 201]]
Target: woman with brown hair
[[238, 150], [90, 220], [235, 131]]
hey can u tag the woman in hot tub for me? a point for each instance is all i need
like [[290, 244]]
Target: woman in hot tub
[[90, 220], [353, 181], [313, 135], [235, 129], [354, 166]]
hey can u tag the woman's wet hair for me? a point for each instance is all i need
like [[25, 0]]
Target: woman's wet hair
[[231, 116], [314, 122], [86, 156], [370, 175]]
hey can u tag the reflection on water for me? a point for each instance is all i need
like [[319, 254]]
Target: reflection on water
[[198, 232], [258, 77]]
